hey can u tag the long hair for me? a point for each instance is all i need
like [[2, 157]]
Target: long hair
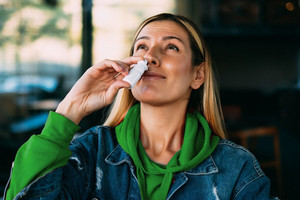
[[205, 99]]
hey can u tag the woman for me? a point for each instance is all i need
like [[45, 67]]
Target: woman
[[163, 139]]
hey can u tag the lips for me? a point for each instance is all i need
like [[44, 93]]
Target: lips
[[151, 74]]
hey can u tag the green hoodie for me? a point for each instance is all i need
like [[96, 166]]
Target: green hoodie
[[34, 159], [154, 179]]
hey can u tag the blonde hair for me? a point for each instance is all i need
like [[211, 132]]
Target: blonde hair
[[205, 99]]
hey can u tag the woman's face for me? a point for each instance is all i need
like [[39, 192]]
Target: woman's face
[[166, 46]]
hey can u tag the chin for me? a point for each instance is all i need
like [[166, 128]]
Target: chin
[[150, 99], [141, 92], [147, 99]]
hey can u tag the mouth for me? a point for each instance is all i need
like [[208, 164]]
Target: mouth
[[151, 74]]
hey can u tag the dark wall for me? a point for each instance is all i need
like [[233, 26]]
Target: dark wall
[[255, 47], [261, 62]]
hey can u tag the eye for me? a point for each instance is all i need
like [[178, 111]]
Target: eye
[[172, 47], [141, 47]]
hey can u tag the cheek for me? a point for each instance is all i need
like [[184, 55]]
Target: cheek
[[181, 71], [141, 90], [135, 91], [138, 54]]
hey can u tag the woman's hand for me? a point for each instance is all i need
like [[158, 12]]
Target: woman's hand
[[96, 88]]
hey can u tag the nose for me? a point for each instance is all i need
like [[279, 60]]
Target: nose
[[152, 58]]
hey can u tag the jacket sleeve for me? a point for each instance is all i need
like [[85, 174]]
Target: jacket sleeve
[[41, 153], [256, 189], [252, 182]]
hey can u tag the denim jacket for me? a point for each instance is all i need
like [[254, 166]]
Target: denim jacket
[[100, 169]]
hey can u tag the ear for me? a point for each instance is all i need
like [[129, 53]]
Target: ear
[[199, 76]]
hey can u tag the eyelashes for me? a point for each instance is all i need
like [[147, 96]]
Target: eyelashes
[[140, 47], [170, 46]]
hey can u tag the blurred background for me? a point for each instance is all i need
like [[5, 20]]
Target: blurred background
[[45, 45]]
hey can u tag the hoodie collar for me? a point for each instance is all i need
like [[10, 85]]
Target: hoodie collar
[[119, 156]]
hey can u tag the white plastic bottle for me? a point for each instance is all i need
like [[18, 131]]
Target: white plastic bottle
[[136, 73]]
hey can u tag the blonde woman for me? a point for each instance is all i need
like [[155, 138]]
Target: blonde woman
[[163, 139]]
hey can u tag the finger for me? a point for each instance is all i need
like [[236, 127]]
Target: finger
[[132, 60], [116, 65], [114, 88], [119, 76], [126, 63], [125, 67]]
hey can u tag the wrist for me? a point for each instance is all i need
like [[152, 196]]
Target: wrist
[[69, 110]]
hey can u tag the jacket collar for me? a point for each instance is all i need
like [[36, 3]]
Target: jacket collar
[[119, 156], [207, 166]]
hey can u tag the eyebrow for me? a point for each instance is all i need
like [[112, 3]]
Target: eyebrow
[[164, 38]]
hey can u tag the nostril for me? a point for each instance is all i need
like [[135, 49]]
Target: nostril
[[153, 62]]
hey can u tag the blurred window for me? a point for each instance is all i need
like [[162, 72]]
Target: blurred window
[[40, 37]]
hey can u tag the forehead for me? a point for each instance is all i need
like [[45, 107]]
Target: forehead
[[164, 28]]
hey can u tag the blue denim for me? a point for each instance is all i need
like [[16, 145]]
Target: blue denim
[[100, 169]]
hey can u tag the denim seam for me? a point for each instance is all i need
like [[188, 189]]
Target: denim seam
[[84, 164], [94, 130], [117, 163], [8, 182], [259, 173], [245, 185], [24, 191], [134, 176], [254, 162], [216, 170], [171, 194], [46, 192]]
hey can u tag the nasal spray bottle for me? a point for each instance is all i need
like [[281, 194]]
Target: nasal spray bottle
[[136, 73]]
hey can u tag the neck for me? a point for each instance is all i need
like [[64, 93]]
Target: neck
[[162, 130]]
